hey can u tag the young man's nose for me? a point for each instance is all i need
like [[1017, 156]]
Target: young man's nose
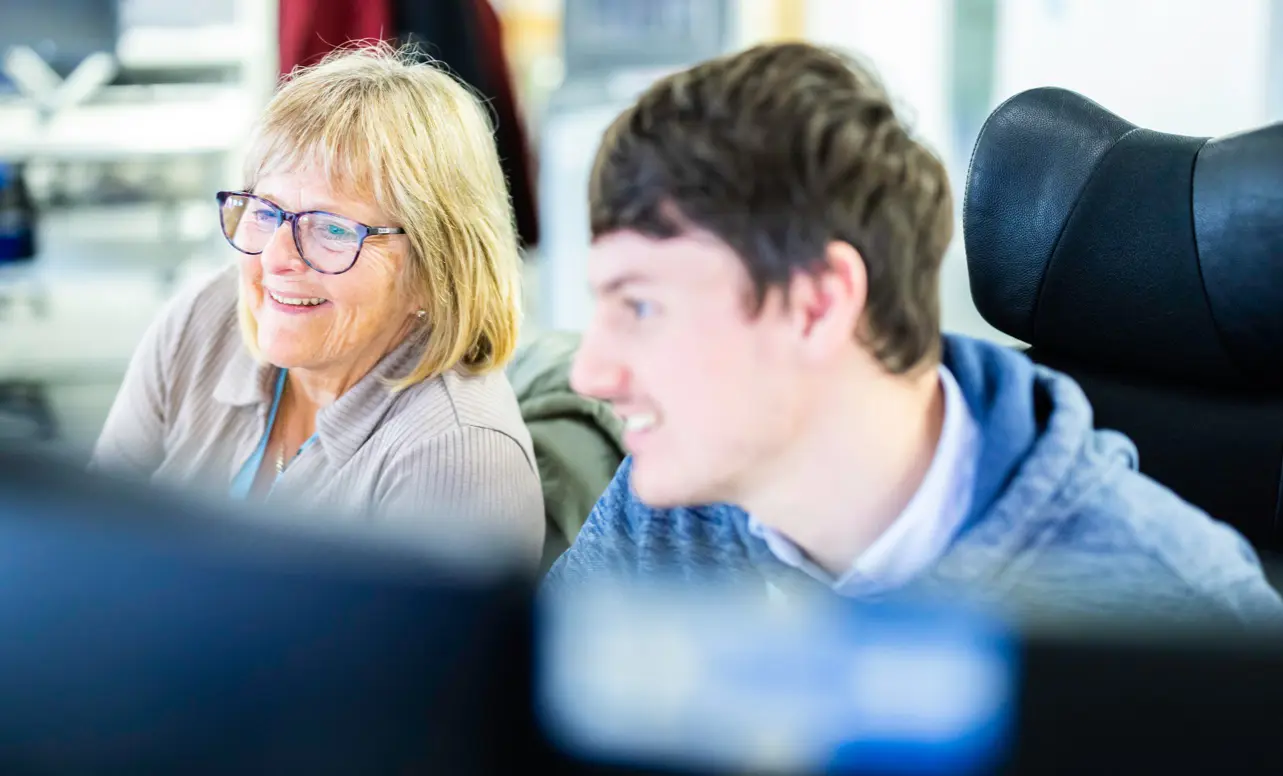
[[597, 372]]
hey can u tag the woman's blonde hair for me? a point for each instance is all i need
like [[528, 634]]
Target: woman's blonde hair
[[386, 126]]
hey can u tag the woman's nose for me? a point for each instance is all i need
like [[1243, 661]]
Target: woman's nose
[[281, 255]]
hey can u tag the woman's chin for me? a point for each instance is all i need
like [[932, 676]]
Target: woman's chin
[[280, 352]]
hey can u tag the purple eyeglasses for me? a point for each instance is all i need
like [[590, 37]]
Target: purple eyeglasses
[[328, 243]]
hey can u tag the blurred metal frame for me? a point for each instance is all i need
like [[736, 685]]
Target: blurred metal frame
[[600, 36]]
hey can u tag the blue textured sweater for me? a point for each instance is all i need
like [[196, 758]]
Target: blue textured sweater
[[1060, 515]]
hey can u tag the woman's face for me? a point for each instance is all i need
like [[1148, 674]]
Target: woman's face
[[361, 313]]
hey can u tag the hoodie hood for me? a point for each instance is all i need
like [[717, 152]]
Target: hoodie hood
[[999, 387], [1039, 448]]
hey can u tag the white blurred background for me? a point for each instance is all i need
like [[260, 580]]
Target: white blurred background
[[133, 112]]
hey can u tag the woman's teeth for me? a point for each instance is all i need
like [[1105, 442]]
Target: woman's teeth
[[638, 422], [293, 300]]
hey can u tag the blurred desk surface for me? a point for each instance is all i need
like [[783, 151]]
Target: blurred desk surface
[[77, 318], [72, 326], [70, 322]]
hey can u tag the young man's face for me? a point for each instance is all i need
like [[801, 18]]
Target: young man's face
[[712, 393]]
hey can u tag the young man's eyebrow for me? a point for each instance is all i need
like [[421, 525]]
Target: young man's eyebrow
[[615, 284]]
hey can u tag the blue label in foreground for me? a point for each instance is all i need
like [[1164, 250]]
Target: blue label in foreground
[[694, 680]]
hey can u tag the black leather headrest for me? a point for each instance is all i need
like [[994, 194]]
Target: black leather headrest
[[1156, 255]]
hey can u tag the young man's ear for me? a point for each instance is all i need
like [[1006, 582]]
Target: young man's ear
[[827, 304]]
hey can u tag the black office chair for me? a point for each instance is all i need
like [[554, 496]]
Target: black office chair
[[1149, 267]]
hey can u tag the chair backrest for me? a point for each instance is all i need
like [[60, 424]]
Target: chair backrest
[[1149, 267]]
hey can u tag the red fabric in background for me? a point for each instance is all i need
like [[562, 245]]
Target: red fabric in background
[[310, 29], [510, 135]]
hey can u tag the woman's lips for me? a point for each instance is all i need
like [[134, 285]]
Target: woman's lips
[[294, 305]]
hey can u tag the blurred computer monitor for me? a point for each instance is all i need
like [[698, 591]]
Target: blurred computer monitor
[[669, 681], [1148, 702], [144, 633]]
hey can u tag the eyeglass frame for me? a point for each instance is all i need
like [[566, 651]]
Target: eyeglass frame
[[285, 216]]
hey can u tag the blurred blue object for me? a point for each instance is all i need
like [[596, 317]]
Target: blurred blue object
[[17, 217], [710, 682]]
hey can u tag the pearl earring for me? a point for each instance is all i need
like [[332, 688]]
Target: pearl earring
[[421, 314]]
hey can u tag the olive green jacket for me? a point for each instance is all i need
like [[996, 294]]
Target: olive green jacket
[[577, 441]]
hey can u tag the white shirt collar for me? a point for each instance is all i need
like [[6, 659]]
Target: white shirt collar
[[921, 534]]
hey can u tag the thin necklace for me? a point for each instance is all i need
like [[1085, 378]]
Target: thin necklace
[[280, 452]]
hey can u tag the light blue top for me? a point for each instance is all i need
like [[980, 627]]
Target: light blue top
[[243, 482]]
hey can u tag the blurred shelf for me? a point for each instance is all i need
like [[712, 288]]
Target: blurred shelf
[[187, 220], [208, 120], [195, 76], [145, 48]]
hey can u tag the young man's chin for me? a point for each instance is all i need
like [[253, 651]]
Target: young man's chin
[[655, 489], [667, 489]]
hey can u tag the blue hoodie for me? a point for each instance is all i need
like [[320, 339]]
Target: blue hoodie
[[1060, 519]]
